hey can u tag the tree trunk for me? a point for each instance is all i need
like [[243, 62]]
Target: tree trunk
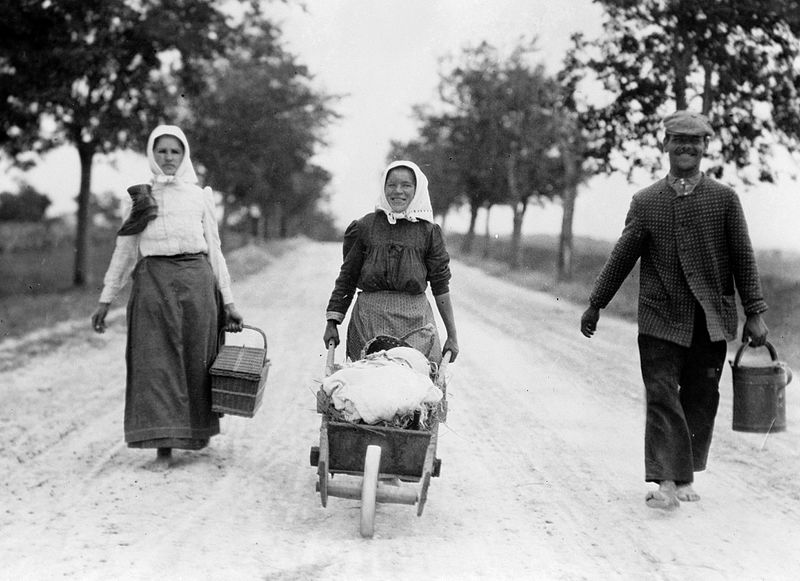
[[681, 63], [466, 245], [708, 87], [263, 222], [80, 275], [519, 205], [565, 242], [487, 237], [283, 223], [515, 258]]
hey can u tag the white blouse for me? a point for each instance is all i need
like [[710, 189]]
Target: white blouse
[[185, 224]]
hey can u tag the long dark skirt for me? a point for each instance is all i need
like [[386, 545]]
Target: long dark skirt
[[173, 329]]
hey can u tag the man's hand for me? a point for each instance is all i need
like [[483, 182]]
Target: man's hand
[[756, 330], [589, 321]]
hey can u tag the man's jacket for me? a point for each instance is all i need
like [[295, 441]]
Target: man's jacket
[[694, 249]]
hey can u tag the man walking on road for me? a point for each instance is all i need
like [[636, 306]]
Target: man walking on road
[[691, 236]]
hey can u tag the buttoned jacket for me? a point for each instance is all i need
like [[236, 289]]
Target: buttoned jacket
[[694, 249]]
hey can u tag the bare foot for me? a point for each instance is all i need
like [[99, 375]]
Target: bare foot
[[686, 493], [665, 498], [163, 460]]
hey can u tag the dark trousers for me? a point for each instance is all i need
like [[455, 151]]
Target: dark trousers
[[682, 394]]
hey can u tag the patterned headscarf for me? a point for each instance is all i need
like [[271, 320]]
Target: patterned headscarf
[[185, 172], [420, 206]]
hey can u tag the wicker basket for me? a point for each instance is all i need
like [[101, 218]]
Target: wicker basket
[[238, 376]]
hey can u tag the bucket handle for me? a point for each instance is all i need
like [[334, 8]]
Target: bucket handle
[[256, 329], [740, 352]]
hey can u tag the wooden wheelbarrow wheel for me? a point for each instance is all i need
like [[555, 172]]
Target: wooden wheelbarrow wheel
[[369, 489], [322, 472]]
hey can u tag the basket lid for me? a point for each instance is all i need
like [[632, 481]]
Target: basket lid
[[239, 361]]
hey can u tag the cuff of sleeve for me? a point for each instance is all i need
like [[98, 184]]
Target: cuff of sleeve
[[108, 294], [227, 295], [756, 308], [440, 289], [593, 302], [334, 316]]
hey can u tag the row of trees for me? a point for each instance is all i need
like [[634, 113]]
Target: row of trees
[[100, 74], [507, 133], [502, 137]]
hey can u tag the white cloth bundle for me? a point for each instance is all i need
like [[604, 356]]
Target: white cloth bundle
[[382, 386]]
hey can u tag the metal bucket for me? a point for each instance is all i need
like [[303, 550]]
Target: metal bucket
[[759, 396]]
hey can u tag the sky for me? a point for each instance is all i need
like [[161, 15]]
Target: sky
[[382, 57]]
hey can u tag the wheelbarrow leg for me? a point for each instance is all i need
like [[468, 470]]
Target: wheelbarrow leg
[[423, 493], [369, 488]]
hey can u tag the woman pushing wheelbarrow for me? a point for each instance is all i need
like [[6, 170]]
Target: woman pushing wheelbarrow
[[391, 255]]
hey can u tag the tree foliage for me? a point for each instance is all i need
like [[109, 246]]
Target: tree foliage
[[496, 136], [99, 74], [736, 62], [258, 125], [26, 206]]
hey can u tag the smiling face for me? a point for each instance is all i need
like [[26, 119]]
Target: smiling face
[[399, 189], [685, 153], [168, 153]]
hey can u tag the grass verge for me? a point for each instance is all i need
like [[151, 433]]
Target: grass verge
[[36, 290]]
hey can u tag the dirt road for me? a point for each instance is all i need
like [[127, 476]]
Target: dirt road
[[542, 474]]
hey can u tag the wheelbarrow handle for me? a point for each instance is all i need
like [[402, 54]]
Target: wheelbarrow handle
[[447, 358], [330, 359]]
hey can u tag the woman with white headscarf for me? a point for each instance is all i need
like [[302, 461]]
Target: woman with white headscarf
[[180, 299], [392, 255]]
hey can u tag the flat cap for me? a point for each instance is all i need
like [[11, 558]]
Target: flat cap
[[687, 123]]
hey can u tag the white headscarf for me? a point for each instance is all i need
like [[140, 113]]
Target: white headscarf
[[185, 172], [420, 206]]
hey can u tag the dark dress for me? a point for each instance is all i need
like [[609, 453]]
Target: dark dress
[[392, 265]]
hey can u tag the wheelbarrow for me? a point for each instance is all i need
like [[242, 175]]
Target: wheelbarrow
[[381, 464]]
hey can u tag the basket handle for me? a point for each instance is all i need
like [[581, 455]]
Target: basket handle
[[746, 344], [330, 359], [252, 328]]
